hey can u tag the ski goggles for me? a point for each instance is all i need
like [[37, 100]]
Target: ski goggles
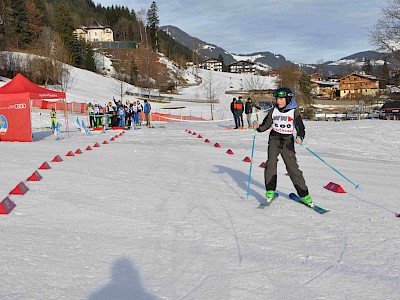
[[282, 94]]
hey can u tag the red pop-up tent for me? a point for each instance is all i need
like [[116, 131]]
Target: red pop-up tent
[[15, 116]]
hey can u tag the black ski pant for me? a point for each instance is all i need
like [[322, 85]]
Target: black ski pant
[[284, 147]]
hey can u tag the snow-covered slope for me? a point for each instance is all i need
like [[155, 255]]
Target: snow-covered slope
[[160, 214], [91, 87]]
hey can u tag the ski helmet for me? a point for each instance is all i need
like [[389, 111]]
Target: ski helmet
[[284, 92]]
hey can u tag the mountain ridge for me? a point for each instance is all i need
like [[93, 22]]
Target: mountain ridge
[[269, 60]]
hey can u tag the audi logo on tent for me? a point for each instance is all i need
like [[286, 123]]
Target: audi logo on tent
[[19, 106]]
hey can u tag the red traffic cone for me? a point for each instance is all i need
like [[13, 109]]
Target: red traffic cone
[[112, 139], [96, 145], [44, 166], [199, 136], [88, 148], [35, 177], [57, 158], [247, 159], [78, 151], [229, 152], [217, 145], [194, 133], [207, 141], [189, 132], [334, 187], [6, 206], [20, 189], [262, 165], [70, 153], [105, 143]]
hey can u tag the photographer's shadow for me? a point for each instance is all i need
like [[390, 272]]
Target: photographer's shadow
[[125, 284]]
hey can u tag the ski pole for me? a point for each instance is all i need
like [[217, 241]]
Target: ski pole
[[251, 162], [357, 186]]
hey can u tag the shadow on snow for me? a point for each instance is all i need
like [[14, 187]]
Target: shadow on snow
[[125, 284]]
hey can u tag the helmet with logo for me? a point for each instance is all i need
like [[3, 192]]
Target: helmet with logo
[[284, 92]]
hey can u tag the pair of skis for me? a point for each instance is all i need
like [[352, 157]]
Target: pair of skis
[[296, 198]]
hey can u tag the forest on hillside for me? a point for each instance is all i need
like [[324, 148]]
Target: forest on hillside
[[45, 28]]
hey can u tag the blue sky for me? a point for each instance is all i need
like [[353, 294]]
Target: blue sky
[[301, 30]]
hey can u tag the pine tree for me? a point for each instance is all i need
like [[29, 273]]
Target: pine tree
[[64, 25], [305, 89], [385, 71], [20, 25], [367, 67], [134, 72], [90, 63], [152, 24]]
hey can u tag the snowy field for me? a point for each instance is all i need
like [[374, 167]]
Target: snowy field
[[160, 214]]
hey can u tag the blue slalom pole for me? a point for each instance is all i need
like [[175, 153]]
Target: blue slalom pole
[[357, 186], [251, 163]]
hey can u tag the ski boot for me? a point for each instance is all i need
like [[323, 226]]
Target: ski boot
[[307, 200], [270, 196]]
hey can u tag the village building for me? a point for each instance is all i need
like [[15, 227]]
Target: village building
[[242, 67], [334, 78], [95, 32], [273, 73], [356, 84], [211, 64], [316, 76], [324, 89]]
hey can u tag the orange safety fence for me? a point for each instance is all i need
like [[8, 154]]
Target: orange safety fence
[[76, 107], [173, 118]]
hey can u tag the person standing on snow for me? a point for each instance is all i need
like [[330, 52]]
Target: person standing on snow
[[139, 112], [90, 110], [147, 110], [233, 111], [53, 119], [238, 109], [121, 116], [135, 118], [282, 120], [248, 110]]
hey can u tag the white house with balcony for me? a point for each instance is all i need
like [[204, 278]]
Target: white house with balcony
[[211, 64], [95, 32]]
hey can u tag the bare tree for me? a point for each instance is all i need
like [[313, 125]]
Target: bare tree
[[255, 85], [12, 63], [211, 90], [289, 75], [386, 33], [67, 78], [142, 18], [120, 88]]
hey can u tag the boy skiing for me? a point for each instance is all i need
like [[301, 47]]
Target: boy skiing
[[282, 119]]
